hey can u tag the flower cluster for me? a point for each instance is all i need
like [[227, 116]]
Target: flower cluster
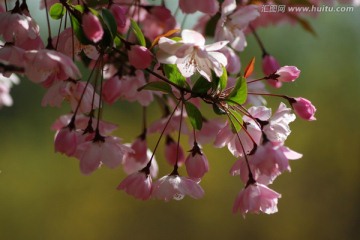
[[135, 51]]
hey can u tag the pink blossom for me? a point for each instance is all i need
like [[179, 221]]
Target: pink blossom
[[287, 73], [191, 54], [304, 108], [139, 158], [234, 64], [119, 14], [6, 84], [277, 130], [157, 22], [12, 55], [270, 65], [172, 154], [81, 123], [138, 185], [208, 132], [130, 86], [226, 137], [256, 198], [176, 187], [232, 23], [92, 27], [268, 162], [67, 140], [19, 29], [64, 43], [112, 89], [107, 150], [196, 163], [140, 57], [206, 6], [86, 101], [48, 65], [172, 126]]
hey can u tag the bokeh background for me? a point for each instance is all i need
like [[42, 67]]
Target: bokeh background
[[44, 195]]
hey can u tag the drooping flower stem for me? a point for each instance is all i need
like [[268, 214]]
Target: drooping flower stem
[[100, 94], [147, 167], [251, 176], [49, 43], [178, 139], [258, 40], [83, 92]]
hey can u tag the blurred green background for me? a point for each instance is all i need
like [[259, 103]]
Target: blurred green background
[[44, 195]]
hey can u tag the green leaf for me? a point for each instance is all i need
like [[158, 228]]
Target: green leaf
[[157, 86], [239, 94], [109, 21], [174, 75], [140, 36], [57, 11], [223, 79], [194, 115], [218, 110], [235, 120], [201, 86]]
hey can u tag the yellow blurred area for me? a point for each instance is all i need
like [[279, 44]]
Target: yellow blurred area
[[44, 195]]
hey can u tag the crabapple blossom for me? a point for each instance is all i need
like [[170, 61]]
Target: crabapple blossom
[[125, 48], [205, 6], [268, 162], [174, 154], [287, 74], [92, 27], [303, 108], [176, 187], [139, 157], [191, 54], [49, 66], [270, 65], [67, 140], [6, 84], [106, 150], [256, 198], [233, 22], [226, 137], [277, 129], [196, 163], [140, 57], [138, 184]]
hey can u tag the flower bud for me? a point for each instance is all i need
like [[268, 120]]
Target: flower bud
[[270, 65], [140, 57], [196, 165], [303, 108], [287, 73], [171, 152], [92, 27]]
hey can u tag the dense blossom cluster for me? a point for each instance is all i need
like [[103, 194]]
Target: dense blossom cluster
[[136, 51]]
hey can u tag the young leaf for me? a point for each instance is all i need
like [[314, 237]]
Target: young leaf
[[250, 68], [167, 34], [174, 75], [223, 79], [236, 120], [194, 115], [239, 94], [57, 11], [139, 35], [109, 21], [157, 86]]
